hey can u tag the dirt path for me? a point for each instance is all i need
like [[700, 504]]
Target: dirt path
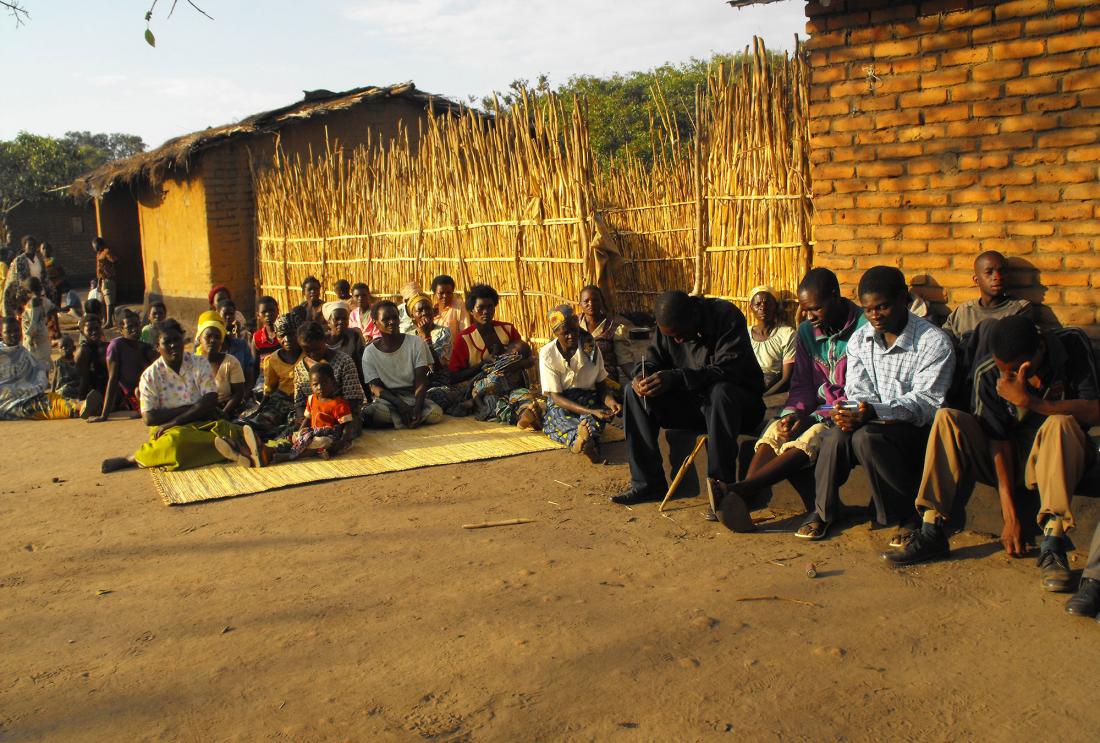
[[360, 610]]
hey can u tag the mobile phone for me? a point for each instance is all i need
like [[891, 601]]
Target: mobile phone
[[849, 405]]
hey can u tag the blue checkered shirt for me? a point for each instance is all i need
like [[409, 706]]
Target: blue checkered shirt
[[909, 380]]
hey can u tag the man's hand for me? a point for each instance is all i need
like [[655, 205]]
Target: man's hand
[[655, 385], [850, 420], [1011, 538], [1013, 388]]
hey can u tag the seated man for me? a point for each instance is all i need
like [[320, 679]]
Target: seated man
[[899, 370], [788, 447], [993, 302], [699, 373], [396, 368], [1034, 397], [1086, 602]]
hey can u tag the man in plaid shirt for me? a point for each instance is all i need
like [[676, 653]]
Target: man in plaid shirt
[[900, 367]]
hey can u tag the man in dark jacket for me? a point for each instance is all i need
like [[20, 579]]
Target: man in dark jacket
[[699, 373]]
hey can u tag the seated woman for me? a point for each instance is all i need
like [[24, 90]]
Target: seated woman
[[450, 312], [579, 402], [91, 359], [273, 418], [438, 338], [127, 358], [359, 317], [24, 382], [342, 337], [772, 343], [179, 402], [396, 368], [492, 354], [314, 342], [229, 377], [611, 333]]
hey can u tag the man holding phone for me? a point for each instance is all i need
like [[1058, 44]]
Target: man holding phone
[[899, 370], [699, 373]]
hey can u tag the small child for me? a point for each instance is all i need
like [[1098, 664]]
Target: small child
[[67, 300], [321, 433], [158, 312], [66, 377], [342, 288], [37, 315]]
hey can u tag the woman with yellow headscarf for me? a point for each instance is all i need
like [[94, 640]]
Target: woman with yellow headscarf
[[229, 376]]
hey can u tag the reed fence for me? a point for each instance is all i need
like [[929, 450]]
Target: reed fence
[[518, 203]]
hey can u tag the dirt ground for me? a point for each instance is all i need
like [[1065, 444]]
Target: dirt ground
[[360, 610]]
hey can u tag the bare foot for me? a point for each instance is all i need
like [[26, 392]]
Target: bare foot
[[114, 464]]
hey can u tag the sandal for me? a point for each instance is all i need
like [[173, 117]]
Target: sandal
[[814, 529], [257, 453], [231, 452]]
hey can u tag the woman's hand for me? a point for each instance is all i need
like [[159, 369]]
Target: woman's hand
[[161, 430], [613, 406]]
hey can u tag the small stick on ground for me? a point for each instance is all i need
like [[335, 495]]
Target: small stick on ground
[[779, 598], [506, 522], [559, 482]]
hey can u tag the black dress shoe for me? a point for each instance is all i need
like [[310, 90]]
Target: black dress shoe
[[633, 497], [1086, 602], [1054, 571], [927, 543]]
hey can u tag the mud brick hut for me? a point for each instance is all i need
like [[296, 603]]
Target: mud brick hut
[[68, 225], [182, 216], [943, 128]]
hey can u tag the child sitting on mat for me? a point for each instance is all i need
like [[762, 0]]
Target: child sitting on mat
[[321, 434]]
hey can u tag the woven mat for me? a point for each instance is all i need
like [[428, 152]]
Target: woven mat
[[451, 441]]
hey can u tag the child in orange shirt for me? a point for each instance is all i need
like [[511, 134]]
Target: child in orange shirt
[[321, 434]]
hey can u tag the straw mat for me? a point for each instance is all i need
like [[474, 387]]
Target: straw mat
[[451, 441]]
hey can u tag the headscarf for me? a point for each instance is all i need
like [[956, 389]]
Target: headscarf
[[560, 315], [214, 292], [328, 308], [415, 299], [763, 288], [209, 319], [410, 290], [286, 325]]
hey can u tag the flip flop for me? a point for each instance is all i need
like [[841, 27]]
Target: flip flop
[[255, 447], [813, 529]]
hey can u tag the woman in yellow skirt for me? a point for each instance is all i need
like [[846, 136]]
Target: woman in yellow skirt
[[179, 402]]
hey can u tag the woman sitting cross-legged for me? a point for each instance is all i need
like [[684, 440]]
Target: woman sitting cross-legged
[[492, 354], [314, 342], [273, 418], [574, 381], [24, 382], [229, 376], [396, 368], [179, 401], [343, 337]]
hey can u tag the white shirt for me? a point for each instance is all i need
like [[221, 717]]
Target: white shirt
[[395, 370], [583, 371]]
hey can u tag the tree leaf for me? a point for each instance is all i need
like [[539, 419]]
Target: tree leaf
[[149, 38]]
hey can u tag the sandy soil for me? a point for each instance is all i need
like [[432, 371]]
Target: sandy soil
[[361, 610]]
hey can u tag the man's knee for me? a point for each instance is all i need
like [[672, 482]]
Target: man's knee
[[864, 442], [1060, 423], [723, 393], [432, 412], [947, 418]]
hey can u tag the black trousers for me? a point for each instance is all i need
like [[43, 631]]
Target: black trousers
[[893, 454], [724, 411]]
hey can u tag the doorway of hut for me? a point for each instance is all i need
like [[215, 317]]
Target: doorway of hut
[[117, 223]]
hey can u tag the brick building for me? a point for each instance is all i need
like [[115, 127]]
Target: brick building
[[943, 128], [181, 217], [68, 225]]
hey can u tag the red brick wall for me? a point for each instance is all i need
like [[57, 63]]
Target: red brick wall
[[67, 225], [940, 129]]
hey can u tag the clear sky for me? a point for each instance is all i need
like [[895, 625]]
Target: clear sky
[[84, 65]]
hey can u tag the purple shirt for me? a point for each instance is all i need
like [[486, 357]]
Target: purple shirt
[[131, 362]]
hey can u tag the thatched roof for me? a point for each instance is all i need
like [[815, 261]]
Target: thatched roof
[[177, 153], [744, 3]]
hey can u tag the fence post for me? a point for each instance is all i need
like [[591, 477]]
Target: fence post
[[701, 212], [286, 274]]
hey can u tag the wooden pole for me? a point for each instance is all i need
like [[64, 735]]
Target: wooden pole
[[683, 471]]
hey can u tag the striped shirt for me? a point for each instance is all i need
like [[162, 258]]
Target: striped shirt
[[821, 364], [906, 382]]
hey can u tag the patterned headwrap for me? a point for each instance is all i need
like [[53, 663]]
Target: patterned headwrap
[[559, 315], [410, 290], [286, 325], [209, 319], [411, 302], [328, 308]]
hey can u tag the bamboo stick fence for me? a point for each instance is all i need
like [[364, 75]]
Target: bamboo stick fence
[[518, 203]]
